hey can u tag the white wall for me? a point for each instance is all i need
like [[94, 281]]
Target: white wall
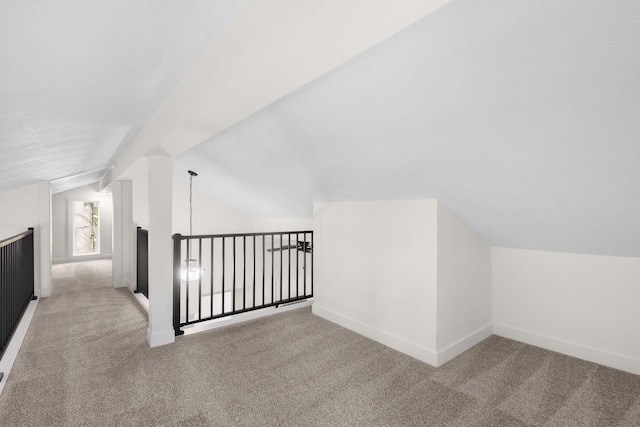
[[282, 224], [140, 190], [213, 217], [20, 210], [62, 250], [30, 206], [209, 216], [464, 286], [586, 306], [375, 271]]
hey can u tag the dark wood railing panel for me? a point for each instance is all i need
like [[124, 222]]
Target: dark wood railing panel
[[237, 273], [16, 283]]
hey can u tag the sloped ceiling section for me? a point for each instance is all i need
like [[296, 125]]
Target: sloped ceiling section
[[270, 49], [78, 80], [523, 117]]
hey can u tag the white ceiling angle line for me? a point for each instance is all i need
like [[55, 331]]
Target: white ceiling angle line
[[77, 180]]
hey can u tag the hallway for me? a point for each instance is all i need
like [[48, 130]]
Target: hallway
[[77, 276], [75, 350]]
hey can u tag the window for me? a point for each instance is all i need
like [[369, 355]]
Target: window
[[86, 229]]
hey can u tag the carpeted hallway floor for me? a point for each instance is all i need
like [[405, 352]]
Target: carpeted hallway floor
[[85, 361]]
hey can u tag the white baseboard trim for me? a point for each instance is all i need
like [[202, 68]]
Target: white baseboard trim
[[161, 338], [142, 300], [591, 354], [11, 352], [412, 349], [81, 258], [126, 283], [464, 344], [242, 317]]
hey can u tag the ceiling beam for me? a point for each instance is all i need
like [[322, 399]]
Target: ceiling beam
[[269, 50]]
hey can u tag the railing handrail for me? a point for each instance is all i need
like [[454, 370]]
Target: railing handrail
[[262, 233], [15, 238]]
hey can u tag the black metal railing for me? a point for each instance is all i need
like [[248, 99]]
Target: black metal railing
[[142, 262], [16, 283], [221, 275]]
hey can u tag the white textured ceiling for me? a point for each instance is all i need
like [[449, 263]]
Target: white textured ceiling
[[522, 116], [79, 79]]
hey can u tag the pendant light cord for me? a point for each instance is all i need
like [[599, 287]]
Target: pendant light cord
[[191, 175], [191, 205]]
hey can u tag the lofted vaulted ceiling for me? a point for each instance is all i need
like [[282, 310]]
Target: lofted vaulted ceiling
[[78, 79], [521, 116]]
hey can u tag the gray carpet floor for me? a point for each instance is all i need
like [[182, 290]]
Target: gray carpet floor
[[85, 361]]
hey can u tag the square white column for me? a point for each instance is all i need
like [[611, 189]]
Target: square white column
[[160, 330], [123, 260]]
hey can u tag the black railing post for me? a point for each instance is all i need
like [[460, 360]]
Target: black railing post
[[254, 271], [289, 266], [312, 251], [177, 240], [272, 272], [212, 272], [233, 286], [281, 264], [244, 271], [138, 255], [304, 264], [263, 268], [199, 278], [223, 265], [30, 266], [142, 262]]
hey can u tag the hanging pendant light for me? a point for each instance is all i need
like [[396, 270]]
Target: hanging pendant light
[[191, 270]]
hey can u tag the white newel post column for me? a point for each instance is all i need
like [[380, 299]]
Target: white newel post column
[[122, 259], [160, 330], [116, 257], [43, 285]]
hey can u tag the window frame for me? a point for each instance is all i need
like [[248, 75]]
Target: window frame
[[72, 229]]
